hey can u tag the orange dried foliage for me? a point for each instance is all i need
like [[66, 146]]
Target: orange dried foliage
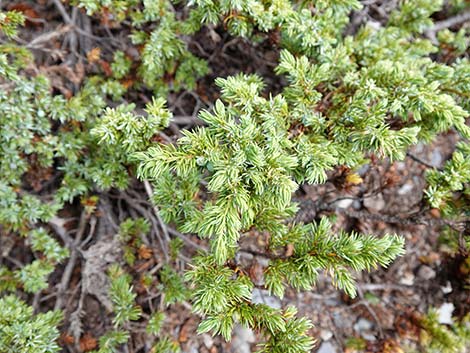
[[144, 252], [94, 55], [128, 82], [88, 343], [66, 338], [106, 67], [30, 14]]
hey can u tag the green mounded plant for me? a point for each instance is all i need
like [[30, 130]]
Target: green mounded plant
[[346, 97], [375, 92], [40, 132], [126, 314], [436, 337], [21, 331], [165, 63], [432, 336], [9, 22], [453, 178], [45, 137], [449, 192]]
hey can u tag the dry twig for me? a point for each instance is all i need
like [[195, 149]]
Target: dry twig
[[62, 286], [450, 22]]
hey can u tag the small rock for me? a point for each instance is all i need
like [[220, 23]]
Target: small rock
[[368, 336], [244, 259], [214, 36], [408, 279], [326, 335], [447, 288], [242, 339], [327, 347], [419, 148], [345, 203], [436, 158], [244, 334], [240, 347], [445, 313], [262, 297], [363, 325], [98, 258], [332, 301], [426, 272], [363, 169], [405, 189], [341, 321], [375, 203], [400, 165], [208, 340], [262, 261], [375, 25]]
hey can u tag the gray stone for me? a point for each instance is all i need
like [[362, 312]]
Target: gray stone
[[326, 335], [419, 148], [363, 169], [192, 350], [208, 340], [98, 258], [345, 203], [445, 313], [405, 189], [400, 165], [242, 339], [327, 347], [375, 203], [244, 334], [363, 325], [260, 296], [436, 158], [368, 336], [408, 279], [447, 288], [427, 273], [341, 321], [375, 25], [364, 328]]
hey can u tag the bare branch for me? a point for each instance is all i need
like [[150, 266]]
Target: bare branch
[[450, 22]]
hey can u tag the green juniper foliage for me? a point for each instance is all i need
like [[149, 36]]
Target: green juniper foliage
[[9, 22], [439, 338], [40, 131], [346, 97], [111, 341], [23, 332], [449, 191], [130, 234], [29, 143], [384, 95], [166, 64], [172, 286], [316, 248], [126, 311], [123, 298], [455, 177]]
